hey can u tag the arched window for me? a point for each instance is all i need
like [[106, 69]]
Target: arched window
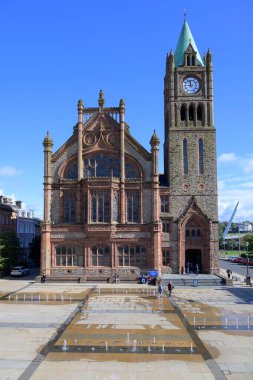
[[101, 165], [188, 61], [71, 171], [198, 232], [100, 206], [183, 113], [191, 112], [69, 207], [69, 256], [132, 256], [185, 156], [132, 206], [201, 152], [193, 233], [187, 232], [193, 60], [200, 112], [101, 256], [131, 171]]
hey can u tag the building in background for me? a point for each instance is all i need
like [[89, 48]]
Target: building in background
[[14, 218], [108, 210]]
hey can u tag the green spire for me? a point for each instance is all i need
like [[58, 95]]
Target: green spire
[[185, 39]]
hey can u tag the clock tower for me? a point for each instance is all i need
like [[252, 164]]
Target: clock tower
[[190, 157]]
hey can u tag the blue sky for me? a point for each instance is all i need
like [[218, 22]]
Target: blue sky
[[56, 52]]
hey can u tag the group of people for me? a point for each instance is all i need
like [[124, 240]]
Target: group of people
[[170, 288], [190, 268]]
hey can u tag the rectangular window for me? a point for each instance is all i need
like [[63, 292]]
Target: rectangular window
[[166, 226], [166, 257], [185, 156], [132, 206], [164, 203]]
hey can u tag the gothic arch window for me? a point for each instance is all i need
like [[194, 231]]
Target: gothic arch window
[[193, 60], [132, 206], [69, 207], [201, 153], [183, 112], [71, 171], [198, 232], [100, 256], [200, 112], [191, 112], [164, 199], [193, 232], [187, 233], [131, 171], [102, 165], [185, 156], [69, 256], [188, 59], [100, 206], [130, 255]]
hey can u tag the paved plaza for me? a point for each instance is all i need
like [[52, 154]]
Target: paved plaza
[[124, 331]]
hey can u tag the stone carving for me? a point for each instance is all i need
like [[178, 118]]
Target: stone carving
[[89, 139], [132, 235], [67, 235]]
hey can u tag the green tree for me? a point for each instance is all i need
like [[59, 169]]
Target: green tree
[[10, 251], [248, 238], [35, 250]]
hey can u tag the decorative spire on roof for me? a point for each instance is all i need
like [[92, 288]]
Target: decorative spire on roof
[[47, 140], [154, 139], [186, 39], [101, 100]]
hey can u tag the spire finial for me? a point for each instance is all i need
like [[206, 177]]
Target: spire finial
[[185, 14]]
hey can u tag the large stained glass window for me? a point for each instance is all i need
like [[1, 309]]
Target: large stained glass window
[[100, 206], [101, 256], [129, 255], [69, 207], [102, 165], [201, 149], [132, 206], [71, 171], [69, 256]]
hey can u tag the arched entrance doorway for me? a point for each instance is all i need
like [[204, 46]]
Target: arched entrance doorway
[[193, 260]]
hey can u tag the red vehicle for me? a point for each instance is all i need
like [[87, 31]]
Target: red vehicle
[[239, 260]]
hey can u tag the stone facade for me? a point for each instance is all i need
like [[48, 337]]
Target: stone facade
[[107, 209]]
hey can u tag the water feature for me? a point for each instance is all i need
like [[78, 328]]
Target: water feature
[[149, 349], [134, 345], [163, 348], [64, 347]]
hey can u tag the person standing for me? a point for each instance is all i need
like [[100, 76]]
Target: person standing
[[160, 289], [170, 287]]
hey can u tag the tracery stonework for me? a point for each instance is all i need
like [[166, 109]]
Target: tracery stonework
[[106, 207]]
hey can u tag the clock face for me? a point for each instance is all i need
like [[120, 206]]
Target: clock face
[[190, 85]]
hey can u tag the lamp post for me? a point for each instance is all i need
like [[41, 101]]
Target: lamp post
[[247, 277]]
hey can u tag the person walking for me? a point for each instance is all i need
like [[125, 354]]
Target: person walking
[[43, 278], [170, 287], [229, 272]]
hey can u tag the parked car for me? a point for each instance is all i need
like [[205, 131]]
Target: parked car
[[239, 260], [19, 271]]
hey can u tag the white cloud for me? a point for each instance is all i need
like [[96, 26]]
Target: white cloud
[[227, 158], [8, 171]]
